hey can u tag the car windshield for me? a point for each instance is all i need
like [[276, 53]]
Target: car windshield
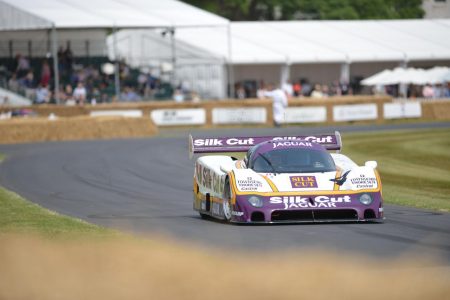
[[293, 160]]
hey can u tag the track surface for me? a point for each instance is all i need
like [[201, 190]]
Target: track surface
[[145, 186]]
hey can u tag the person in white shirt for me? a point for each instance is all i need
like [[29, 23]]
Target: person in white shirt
[[280, 102], [79, 93]]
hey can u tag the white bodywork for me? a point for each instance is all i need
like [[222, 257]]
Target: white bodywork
[[211, 173]]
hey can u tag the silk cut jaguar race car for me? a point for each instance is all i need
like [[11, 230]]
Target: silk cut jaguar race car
[[283, 179]]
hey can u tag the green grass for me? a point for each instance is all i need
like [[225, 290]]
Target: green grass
[[414, 164], [21, 216]]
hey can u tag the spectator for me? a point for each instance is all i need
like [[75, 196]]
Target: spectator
[[297, 89], [195, 97], [79, 93], [45, 73], [27, 83], [317, 92], [13, 83], [427, 91], [240, 92], [447, 90], [23, 65], [344, 88], [178, 96], [280, 102], [325, 90], [42, 95], [129, 94]]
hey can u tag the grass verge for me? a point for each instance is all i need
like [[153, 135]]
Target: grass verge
[[22, 216], [414, 164]]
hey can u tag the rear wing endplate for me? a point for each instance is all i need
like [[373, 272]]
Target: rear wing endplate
[[243, 144]]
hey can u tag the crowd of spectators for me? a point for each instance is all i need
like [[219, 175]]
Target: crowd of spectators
[[427, 91], [300, 88], [80, 83]]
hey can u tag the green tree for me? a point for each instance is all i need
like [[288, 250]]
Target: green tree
[[251, 10]]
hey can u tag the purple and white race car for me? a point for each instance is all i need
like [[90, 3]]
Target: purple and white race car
[[284, 179]]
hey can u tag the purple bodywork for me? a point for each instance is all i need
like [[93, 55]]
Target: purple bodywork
[[279, 207]]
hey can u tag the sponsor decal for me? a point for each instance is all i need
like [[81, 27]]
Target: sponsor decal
[[221, 142], [209, 179], [315, 139], [250, 141], [309, 202], [363, 182], [248, 184], [185, 116], [302, 182], [291, 143], [239, 115], [237, 213]]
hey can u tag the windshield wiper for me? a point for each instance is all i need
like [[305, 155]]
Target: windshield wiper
[[268, 162], [342, 179]]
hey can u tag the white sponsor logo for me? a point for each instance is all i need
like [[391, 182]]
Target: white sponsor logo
[[229, 142], [237, 213], [287, 144], [305, 202], [314, 139]]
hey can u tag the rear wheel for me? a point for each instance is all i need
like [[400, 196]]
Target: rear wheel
[[203, 216]]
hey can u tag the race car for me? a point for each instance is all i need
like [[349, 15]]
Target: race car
[[283, 179]]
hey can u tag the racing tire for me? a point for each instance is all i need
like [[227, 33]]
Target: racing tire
[[203, 216]]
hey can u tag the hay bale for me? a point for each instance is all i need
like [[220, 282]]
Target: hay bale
[[75, 128]]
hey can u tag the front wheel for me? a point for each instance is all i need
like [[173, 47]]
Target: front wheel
[[226, 205], [227, 209]]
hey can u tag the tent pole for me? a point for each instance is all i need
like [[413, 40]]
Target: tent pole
[[116, 65], [230, 64], [403, 87], [174, 55], [55, 63]]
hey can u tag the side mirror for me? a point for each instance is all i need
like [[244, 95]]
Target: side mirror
[[371, 164], [225, 169]]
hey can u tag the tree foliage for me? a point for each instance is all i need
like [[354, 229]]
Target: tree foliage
[[252, 10]]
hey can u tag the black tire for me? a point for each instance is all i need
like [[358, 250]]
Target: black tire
[[203, 216]]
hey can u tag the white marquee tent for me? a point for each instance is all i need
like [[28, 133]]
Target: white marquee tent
[[57, 15], [284, 47]]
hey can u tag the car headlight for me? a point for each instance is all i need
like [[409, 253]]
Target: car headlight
[[365, 199], [255, 201]]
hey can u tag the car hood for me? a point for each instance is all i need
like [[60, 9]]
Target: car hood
[[247, 180]]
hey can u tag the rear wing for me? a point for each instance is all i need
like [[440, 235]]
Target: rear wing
[[242, 144]]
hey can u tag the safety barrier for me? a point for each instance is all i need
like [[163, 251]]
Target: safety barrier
[[259, 112]]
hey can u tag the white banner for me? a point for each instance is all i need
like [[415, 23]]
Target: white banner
[[239, 115], [182, 116], [400, 110], [130, 113], [355, 112], [306, 114]]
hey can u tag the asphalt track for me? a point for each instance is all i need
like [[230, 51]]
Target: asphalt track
[[145, 186]]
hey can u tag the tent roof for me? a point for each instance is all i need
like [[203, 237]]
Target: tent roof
[[68, 14], [327, 41]]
